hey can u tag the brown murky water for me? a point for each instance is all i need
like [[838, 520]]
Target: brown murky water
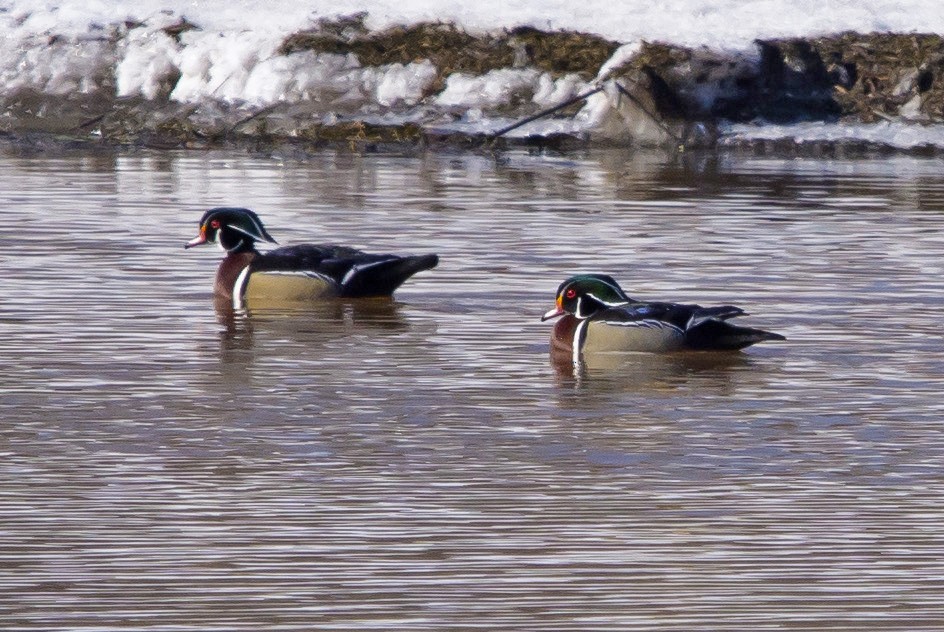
[[424, 466]]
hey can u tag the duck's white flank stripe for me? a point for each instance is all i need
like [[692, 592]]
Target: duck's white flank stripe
[[308, 274], [239, 288], [658, 324]]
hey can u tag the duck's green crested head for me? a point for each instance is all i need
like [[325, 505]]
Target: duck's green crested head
[[585, 294], [234, 229]]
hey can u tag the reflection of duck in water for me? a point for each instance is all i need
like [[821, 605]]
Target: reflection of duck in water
[[312, 322], [651, 373], [598, 317], [293, 274]]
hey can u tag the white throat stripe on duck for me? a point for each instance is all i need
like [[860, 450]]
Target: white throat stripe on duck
[[579, 311], [234, 248]]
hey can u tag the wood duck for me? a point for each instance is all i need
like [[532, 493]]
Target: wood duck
[[600, 317], [296, 273]]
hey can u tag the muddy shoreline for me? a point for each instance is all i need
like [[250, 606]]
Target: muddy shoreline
[[665, 95]]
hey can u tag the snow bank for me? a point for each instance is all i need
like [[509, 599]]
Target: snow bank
[[122, 48]]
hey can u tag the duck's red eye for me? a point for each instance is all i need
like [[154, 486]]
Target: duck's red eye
[[215, 223], [571, 293]]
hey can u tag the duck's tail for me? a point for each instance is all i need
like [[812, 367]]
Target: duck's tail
[[718, 335], [383, 275]]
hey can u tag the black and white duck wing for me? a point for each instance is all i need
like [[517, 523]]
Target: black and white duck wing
[[718, 335], [309, 257], [674, 314], [378, 275], [700, 314]]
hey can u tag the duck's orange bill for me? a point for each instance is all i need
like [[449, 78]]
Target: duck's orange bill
[[557, 311], [199, 239]]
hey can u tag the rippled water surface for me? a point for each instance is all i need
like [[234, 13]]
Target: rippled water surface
[[166, 466]]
